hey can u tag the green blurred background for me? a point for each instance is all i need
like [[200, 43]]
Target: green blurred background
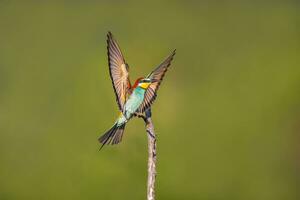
[[227, 114]]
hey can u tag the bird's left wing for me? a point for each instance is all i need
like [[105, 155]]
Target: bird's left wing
[[157, 75], [118, 70]]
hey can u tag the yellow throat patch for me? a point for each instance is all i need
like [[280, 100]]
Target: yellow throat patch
[[144, 85]]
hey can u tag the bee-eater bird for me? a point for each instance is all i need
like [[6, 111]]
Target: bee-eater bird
[[134, 99]]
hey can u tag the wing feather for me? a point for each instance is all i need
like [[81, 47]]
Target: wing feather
[[118, 70], [158, 75]]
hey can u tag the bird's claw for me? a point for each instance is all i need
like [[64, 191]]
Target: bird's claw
[[140, 115]]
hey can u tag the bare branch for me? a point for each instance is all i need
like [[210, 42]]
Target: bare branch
[[151, 156]]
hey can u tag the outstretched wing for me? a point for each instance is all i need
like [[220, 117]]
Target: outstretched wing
[[157, 75], [118, 70]]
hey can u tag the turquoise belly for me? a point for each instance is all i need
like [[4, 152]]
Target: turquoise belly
[[134, 102]]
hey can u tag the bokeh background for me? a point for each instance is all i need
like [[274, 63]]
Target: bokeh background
[[227, 115]]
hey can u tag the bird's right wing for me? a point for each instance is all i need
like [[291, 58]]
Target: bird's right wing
[[157, 75], [118, 70]]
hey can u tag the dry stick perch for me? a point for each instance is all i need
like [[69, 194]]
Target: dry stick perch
[[151, 155]]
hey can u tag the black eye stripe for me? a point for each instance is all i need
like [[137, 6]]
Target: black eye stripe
[[145, 81]]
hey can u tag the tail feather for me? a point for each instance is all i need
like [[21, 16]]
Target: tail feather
[[112, 136]]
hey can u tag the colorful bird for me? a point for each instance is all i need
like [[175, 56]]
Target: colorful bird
[[132, 100]]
